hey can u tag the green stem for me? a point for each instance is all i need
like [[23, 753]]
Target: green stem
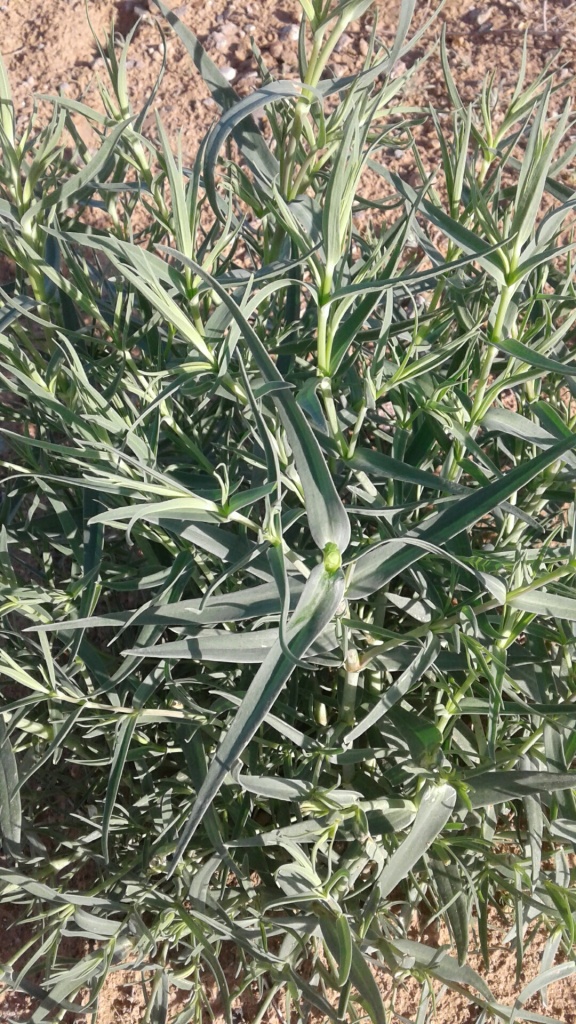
[[331, 415], [350, 688], [356, 431], [323, 344], [441, 625], [453, 468], [156, 984], [452, 703]]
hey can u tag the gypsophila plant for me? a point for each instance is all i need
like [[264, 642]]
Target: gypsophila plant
[[287, 542]]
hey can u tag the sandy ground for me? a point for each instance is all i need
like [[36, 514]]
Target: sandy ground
[[49, 47]]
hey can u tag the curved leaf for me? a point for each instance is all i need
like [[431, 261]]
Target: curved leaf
[[316, 608], [434, 811], [327, 516], [383, 562], [10, 808]]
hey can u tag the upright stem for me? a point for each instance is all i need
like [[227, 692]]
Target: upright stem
[[348, 701], [453, 469], [323, 318], [350, 687]]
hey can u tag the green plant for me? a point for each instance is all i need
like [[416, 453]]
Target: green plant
[[286, 588]]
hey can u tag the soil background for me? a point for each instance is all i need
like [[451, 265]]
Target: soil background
[[49, 47]]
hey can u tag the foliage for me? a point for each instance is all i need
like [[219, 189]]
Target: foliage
[[287, 544]]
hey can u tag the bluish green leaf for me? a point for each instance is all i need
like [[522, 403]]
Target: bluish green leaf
[[383, 562], [500, 786], [327, 516], [121, 748], [434, 811], [10, 806], [412, 675], [320, 599]]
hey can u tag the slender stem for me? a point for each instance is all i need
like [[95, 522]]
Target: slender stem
[[348, 702], [331, 415], [452, 470], [344, 1000], [350, 687], [323, 316], [268, 998], [452, 703], [442, 624], [356, 431], [156, 984]]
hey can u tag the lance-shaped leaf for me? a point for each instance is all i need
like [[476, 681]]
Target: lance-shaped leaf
[[384, 467], [352, 965], [383, 562], [248, 648], [463, 237], [528, 355], [220, 542], [327, 517], [10, 809], [244, 129], [442, 966], [121, 749], [189, 508], [501, 786], [247, 603], [504, 421], [542, 980], [316, 608], [539, 602], [148, 274], [454, 902], [434, 811], [265, 166], [422, 662], [88, 176]]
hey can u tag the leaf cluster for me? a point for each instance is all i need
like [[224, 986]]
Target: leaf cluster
[[287, 538]]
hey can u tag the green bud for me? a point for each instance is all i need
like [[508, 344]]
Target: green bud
[[332, 558]]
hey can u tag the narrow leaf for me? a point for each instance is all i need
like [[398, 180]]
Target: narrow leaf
[[383, 562], [320, 599], [10, 808], [434, 811]]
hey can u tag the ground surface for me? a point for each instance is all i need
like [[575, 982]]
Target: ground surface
[[48, 47]]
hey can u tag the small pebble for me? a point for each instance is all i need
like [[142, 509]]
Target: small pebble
[[483, 16], [228, 28], [290, 33], [218, 41], [276, 50], [228, 72], [399, 69], [363, 46], [344, 43]]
